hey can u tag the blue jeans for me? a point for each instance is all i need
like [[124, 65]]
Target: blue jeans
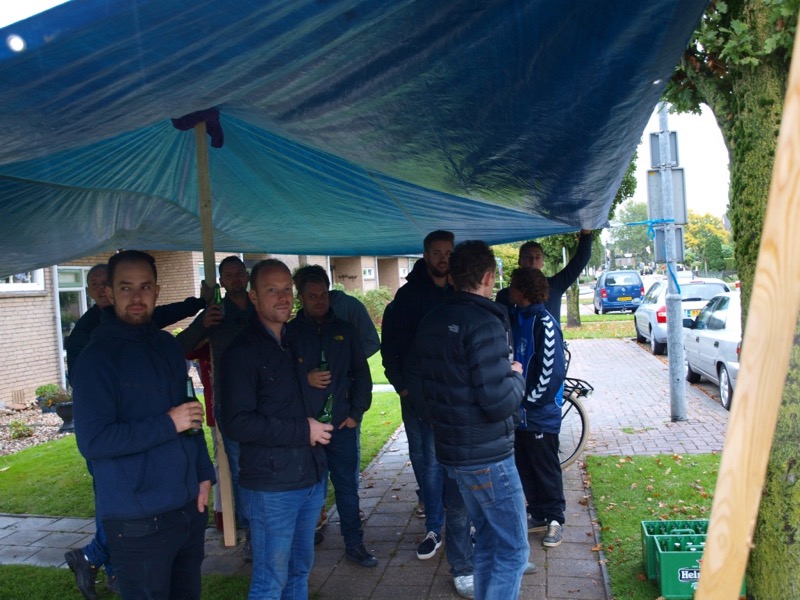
[[433, 481], [233, 452], [96, 551], [494, 499], [159, 558], [414, 436], [457, 540], [282, 537], [342, 458]]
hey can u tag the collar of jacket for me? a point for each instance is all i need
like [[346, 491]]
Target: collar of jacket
[[419, 276], [114, 327]]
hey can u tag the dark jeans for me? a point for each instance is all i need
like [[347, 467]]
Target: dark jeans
[[457, 538], [413, 427], [233, 452], [342, 457], [159, 557], [96, 551], [536, 457]]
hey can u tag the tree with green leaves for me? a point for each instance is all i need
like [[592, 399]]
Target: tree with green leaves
[[627, 239], [737, 63], [704, 237]]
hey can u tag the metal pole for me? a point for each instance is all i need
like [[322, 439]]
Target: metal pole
[[677, 387]]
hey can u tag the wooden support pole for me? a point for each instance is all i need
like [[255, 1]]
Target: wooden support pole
[[764, 361], [209, 265]]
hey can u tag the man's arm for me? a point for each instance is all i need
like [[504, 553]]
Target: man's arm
[[393, 339], [353, 311], [167, 314], [565, 277], [361, 389], [196, 332]]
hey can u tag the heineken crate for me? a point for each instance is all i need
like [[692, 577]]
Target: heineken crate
[[678, 560], [653, 528]]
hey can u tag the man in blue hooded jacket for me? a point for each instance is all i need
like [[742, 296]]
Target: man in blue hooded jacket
[[152, 480]]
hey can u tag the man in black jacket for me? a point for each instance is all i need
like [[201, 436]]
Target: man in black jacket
[[532, 255], [282, 460], [473, 389], [339, 385]]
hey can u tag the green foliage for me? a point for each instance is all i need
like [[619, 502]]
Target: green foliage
[[375, 301], [48, 389], [19, 429], [631, 239], [628, 490], [705, 236]]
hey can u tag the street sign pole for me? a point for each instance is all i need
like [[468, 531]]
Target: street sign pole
[[677, 387]]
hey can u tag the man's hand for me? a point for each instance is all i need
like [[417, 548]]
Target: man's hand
[[212, 315], [516, 366], [349, 422], [206, 293], [202, 496], [319, 433], [188, 415], [319, 379]]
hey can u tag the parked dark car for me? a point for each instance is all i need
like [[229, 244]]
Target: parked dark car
[[618, 290], [712, 341]]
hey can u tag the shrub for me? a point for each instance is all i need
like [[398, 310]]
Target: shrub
[[375, 301], [48, 389], [19, 430]]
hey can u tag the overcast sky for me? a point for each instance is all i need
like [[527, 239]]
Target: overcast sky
[[702, 155]]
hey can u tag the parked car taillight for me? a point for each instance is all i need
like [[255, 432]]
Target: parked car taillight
[[661, 314], [641, 291], [603, 293]]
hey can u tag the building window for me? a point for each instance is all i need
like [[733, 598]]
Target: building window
[[403, 271], [368, 273], [29, 281]]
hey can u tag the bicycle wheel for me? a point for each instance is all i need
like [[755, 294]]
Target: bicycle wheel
[[574, 431]]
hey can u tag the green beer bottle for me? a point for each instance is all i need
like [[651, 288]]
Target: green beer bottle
[[218, 298], [190, 397], [326, 414]]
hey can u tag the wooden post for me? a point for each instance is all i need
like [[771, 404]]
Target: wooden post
[[206, 224], [764, 360]]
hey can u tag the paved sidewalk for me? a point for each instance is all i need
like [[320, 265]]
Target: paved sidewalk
[[629, 413]]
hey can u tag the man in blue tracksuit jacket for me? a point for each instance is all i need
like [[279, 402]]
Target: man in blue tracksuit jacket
[[538, 345], [152, 481]]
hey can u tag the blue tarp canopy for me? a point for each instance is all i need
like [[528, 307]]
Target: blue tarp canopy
[[350, 126]]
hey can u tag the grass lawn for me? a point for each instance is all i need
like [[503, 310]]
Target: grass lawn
[[628, 490], [376, 369], [615, 325]]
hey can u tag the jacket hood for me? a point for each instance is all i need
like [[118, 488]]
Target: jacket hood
[[485, 303], [419, 274]]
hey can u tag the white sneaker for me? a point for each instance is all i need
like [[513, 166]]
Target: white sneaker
[[464, 586]]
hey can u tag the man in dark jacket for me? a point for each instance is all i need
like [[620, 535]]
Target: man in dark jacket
[[473, 389], [85, 561], [339, 386], [532, 255], [152, 483], [282, 460]]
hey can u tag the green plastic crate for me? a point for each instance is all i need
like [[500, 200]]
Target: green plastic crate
[[652, 528], [678, 560]]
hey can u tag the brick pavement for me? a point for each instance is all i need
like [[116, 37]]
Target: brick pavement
[[629, 413]]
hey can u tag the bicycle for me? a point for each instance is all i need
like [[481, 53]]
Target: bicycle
[[574, 418]]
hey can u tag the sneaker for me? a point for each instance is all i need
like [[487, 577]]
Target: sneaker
[[420, 511], [536, 525], [318, 538], [112, 584], [553, 536], [85, 572], [362, 517], [429, 546], [530, 568], [464, 586], [360, 556]]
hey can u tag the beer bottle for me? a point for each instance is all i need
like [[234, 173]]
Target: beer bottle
[[326, 414], [218, 299], [190, 397]]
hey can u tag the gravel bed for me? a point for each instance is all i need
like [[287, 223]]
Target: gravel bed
[[44, 425]]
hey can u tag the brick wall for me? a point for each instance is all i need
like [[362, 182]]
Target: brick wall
[[29, 352]]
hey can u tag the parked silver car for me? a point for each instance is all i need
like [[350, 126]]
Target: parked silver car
[[650, 318], [712, 341]]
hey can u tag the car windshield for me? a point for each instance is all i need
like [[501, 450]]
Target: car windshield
[[700, 291], [622, 279]]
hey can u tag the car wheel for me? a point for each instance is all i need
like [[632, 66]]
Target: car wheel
[[595, 309], [725, 389], [639, 337], [602, 310], [691, 376], [656, 347]]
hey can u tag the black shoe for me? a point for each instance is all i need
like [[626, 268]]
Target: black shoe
[[85, 573], [360, 556], [537, 525], [429, 546], [318, 537], [247, 551], [112, 584]]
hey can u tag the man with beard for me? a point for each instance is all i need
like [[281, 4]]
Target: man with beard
[[425, 289], [282, 459], [152, 483]]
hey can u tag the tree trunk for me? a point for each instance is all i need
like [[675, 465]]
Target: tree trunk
[[574, 305]]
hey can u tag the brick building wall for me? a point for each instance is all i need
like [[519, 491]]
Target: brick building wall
[[29, 352]]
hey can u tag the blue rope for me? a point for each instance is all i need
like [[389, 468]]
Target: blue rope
[[651, 234]]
